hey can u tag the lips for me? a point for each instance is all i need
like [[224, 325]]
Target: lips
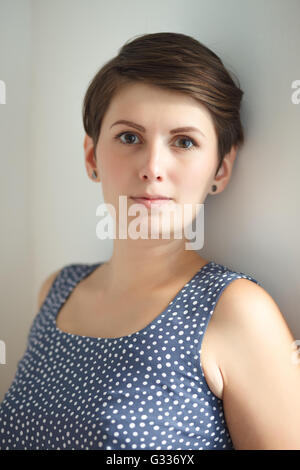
[[149, 202], [153, 196]]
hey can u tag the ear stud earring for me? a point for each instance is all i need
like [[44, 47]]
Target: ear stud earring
[[94, 174], [214, 188]]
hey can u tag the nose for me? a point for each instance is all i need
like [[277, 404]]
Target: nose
[[152, 169], [150, 177]]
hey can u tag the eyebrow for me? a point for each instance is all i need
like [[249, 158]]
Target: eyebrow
[[142, 129]]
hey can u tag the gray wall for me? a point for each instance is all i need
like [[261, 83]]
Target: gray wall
[[16, 184], [49, 51]]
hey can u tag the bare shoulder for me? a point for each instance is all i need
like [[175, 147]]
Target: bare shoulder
[[261, 382], [228, 314], [245, 303], [245, 314], [45, 287]]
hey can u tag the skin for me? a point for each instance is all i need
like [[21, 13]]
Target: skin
[[157, 162]]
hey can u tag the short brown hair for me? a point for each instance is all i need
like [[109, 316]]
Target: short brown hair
[[173, 61]]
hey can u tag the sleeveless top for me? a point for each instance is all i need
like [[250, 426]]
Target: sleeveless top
[[146, 390]]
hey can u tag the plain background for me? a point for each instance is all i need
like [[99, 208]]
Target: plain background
[[49, 51]]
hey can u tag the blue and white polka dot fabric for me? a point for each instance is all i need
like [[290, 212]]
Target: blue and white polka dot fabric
[[146, 390]]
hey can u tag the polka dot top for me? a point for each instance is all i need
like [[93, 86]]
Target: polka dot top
[[145, 390]]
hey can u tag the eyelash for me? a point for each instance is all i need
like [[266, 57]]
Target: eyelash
[[195, 145]]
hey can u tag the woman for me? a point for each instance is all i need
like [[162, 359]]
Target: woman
[[157, 348]]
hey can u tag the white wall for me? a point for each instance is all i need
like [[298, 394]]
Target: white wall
[[16, 180], [49, 51]]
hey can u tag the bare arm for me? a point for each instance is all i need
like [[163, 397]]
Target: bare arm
[[261, 379]]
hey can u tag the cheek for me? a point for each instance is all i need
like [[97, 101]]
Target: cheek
[[193, 178], [113, 169]]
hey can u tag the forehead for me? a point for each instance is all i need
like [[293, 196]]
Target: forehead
[[148, 104]]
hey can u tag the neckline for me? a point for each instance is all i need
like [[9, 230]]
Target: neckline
[[100, 339]]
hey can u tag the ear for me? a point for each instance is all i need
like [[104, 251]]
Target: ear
[[90, 158], [223, 176]]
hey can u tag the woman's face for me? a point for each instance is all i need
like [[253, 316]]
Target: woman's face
[[180, 165]]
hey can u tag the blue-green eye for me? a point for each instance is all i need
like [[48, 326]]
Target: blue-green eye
[[125, 133], [182, 137], [185, 138]]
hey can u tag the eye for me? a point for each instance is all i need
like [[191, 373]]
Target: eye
[[186, 138], [182, 137], [124, 133]]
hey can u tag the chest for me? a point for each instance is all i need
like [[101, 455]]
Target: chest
[[108, 318], [86, 315]]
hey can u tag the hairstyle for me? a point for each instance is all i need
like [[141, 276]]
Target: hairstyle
[[173, 61]]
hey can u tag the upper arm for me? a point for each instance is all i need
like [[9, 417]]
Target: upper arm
[[261, 395], [47, 283]]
